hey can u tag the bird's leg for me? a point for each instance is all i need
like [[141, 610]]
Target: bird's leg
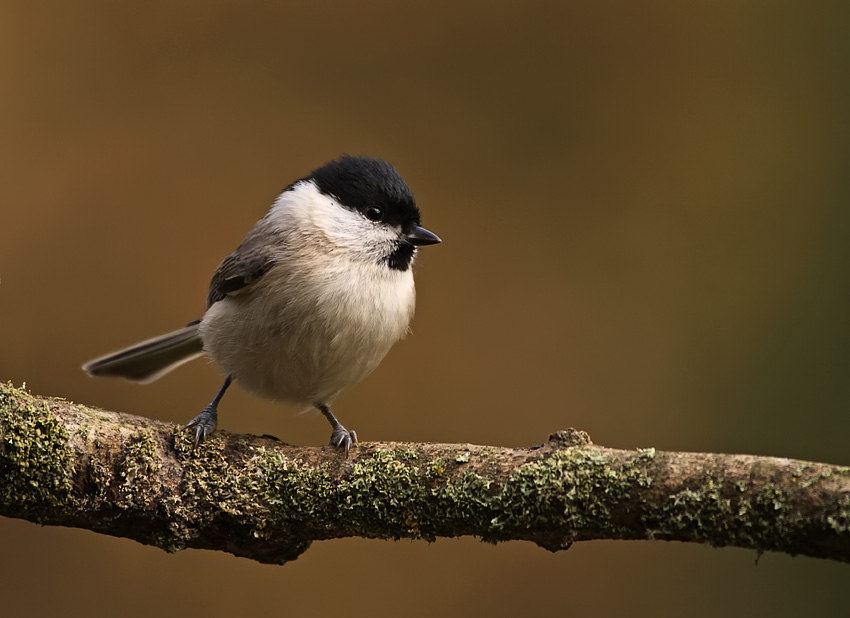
[[204, 424], [341, 438]]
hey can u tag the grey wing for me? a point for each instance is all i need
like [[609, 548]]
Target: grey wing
[[246, 265]]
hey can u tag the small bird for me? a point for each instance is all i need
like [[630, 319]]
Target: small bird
[[309, 303]]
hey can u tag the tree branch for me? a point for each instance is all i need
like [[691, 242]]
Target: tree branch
[[71, 465]]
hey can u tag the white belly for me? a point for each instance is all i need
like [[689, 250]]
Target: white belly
[[305, 347]]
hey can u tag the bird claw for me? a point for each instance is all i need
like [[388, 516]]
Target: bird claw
[[202, 426], [342, 439]]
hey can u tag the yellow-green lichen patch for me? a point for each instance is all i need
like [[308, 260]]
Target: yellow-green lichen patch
[[720, 513], [384, 490], [839, 520], [138, 470], [435, 469], [212, 476], [35, 462], [571, 491], [384, 494], [388, 496], [223, 487], [698, 509]]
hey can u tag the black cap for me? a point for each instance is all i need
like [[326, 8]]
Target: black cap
[[364, 182]]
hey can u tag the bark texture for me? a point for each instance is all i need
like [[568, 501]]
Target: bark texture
[[72, 465]]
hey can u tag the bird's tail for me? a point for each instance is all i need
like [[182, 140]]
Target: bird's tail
[[151, 359]]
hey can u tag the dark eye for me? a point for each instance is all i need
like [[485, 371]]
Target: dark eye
[[373, 213]]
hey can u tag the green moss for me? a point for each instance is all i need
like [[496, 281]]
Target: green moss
[[35, 462]]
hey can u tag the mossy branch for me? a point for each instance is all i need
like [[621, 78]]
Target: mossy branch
[[71, 465]]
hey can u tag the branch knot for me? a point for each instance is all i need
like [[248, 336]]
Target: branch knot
[[566, 438]]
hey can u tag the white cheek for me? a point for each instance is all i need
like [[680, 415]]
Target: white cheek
[[350, 230], [304, 212]]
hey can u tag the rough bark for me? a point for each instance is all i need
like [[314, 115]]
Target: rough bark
[[72, 465]]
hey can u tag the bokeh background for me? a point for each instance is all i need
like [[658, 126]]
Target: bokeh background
[[644, 209]]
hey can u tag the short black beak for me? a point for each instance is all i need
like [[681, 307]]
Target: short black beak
[[420, 236]]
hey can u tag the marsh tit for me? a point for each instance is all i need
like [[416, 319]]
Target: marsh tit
[[311, 300]]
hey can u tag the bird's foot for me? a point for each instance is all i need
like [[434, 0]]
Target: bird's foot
[[202, 426], [342, 439]]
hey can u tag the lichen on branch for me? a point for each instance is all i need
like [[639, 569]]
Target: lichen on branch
[[72, 465]]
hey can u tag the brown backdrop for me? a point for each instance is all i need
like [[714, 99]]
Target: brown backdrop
[[644, 209]]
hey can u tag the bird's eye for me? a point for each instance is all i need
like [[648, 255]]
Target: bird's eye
[[373, 213]]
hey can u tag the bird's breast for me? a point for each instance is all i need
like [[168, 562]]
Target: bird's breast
[[305, 335]]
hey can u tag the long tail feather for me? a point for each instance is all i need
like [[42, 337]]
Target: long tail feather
[[151, 359]]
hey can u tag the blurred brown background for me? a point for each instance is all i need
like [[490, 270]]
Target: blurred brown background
[[644, 209]]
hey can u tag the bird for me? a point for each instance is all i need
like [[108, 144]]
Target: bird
[[309, 303]]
